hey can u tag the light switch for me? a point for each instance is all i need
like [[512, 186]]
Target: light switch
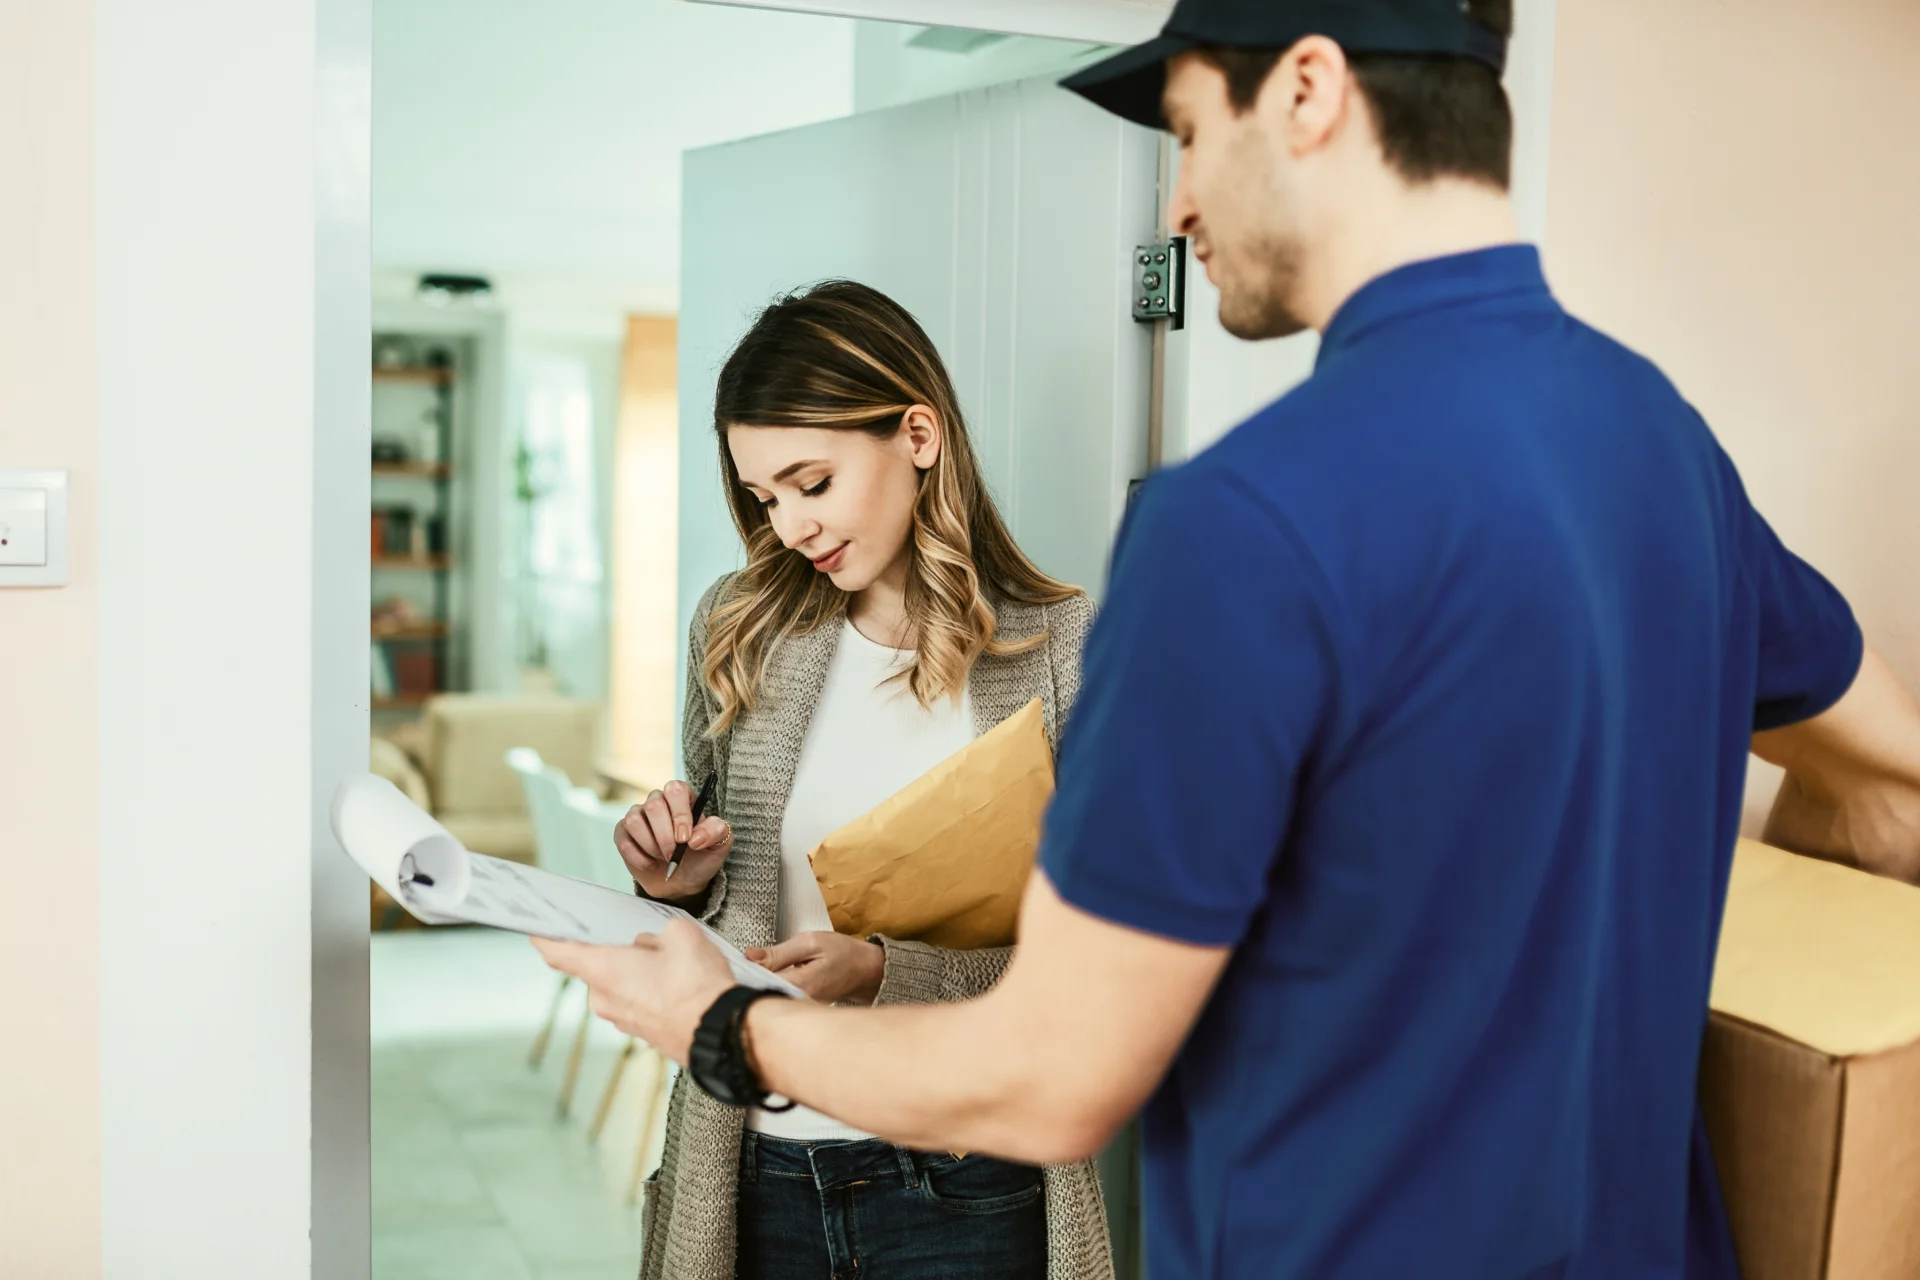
[[33, 528], [23, 528]]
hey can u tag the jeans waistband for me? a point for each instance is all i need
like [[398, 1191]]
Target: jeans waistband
[[831, 1164]]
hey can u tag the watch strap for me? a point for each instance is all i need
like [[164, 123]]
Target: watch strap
[[718, 1058]]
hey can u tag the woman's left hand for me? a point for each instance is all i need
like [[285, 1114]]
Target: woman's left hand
[[827, 966]]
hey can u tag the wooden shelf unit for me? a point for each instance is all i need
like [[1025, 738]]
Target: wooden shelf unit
[[424, 470], [430, 376], [416, 658], [425, 629], [420, 564], [401, 702]]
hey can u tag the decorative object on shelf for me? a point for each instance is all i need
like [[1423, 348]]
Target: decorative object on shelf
[[530, 485], [443, 290], [394, 614], [391, 351], [397, 540], [388, 451], [436, 525]]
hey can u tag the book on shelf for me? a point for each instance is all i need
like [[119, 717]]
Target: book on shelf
[[416, 670]]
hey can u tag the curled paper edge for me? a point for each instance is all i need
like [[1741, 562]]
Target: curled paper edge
[[392, 839]]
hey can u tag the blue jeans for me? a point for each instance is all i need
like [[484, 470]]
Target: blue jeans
[[854, 1210]]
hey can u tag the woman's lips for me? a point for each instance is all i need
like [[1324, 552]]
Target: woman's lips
[[828, 563]]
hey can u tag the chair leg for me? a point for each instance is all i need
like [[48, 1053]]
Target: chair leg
[[539, 1050], [606, 1094], [658, 1083], [573, 1063]]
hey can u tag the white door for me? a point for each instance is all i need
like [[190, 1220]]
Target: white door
[[1005, 220]]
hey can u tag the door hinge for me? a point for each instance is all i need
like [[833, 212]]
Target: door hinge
[[1160, 282]]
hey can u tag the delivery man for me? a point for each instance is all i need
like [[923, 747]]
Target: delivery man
[[1394, 824]]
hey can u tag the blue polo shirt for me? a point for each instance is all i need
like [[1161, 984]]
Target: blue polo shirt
[[1428, 691]]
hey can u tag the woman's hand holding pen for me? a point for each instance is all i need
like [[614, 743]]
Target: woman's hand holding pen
[[649, 833]]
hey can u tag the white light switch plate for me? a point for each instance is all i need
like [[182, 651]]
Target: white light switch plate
[[33, 528]]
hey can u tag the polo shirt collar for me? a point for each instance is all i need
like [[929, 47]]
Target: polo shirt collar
[[1511, 270]]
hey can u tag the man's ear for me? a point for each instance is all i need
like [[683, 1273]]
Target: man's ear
[[1307, 92], [924, 435]]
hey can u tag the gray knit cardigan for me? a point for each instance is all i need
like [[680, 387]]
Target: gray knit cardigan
[[688, 1213]]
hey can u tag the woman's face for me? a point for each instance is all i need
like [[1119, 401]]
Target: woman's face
[[842, 499]]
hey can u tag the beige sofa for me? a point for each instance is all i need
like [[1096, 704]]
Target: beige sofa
[[454, 762]]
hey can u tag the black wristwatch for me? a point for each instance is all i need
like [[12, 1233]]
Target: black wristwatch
[[718, 1059]]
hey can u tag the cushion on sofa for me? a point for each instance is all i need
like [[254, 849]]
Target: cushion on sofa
[[469, 735], [503, 836]]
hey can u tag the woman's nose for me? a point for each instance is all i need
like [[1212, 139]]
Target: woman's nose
[[794, 531]]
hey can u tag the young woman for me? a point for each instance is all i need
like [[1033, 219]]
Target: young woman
[[884, 619]]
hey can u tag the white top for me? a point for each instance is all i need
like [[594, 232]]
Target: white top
[[868, 739]]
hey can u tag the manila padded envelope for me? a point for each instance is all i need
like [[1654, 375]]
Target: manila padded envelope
[[946, 859]]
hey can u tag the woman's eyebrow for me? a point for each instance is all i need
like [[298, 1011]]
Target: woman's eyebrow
[[789, 469]]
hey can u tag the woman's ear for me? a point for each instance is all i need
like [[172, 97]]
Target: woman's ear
[[924, 436]]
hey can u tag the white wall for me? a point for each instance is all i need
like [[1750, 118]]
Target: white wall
[[541, 143], [541, 146], [232, 634], [1215, 381], [889, 70], [574, 617]]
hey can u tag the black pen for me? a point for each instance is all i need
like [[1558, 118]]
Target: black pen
[[699, 808]]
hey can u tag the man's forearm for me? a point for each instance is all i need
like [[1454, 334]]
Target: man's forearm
[[956, 1077], [1044, 1068], [1852, 789]]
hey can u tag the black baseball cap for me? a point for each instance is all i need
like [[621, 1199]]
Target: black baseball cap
[[1129, 84]]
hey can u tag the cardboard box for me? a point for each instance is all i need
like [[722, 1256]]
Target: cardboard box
[[1810, 1075]]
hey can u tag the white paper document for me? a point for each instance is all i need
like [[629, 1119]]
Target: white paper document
[[440, 881]]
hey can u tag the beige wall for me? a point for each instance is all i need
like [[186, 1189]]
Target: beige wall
[[1734, 193], [49, 802], [646, 536]]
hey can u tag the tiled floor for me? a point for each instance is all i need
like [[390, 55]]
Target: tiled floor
[[475, 1177]]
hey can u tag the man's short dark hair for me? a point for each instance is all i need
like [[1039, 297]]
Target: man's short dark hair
[[1436, 116]]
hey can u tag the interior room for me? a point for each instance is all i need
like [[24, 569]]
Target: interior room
[[469, 270], [526, 526]]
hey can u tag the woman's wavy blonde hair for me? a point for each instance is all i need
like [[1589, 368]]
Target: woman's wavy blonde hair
[[847, 357]]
